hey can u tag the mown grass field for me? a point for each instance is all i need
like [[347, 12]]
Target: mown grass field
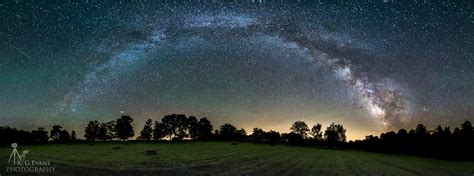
[[223, 158]]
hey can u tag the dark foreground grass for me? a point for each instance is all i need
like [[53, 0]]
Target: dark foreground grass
[[223, 158]]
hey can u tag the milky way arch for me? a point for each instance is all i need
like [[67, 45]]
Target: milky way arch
[[384, 99]]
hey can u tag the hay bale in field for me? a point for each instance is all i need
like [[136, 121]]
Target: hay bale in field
[[151, 152]]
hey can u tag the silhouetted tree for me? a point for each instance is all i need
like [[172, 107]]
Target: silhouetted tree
[[456, 130], [110, 126], [102, 133], [204, 129], [73, 135], [438, 131], [169, 124], [40, 135], [193, 127], [316, 132], [227, 132], [272, 136], [181, 126], [175, 124], [158, 131], [106, 131], [467, 138], [64, 136], [240, 134], [147, 131], [124, 128], [12, 135], [300, 128], [421, 131], [466, 128], [91, 130], [258, 135], [55, 133], [334, 134], [447, 131], [216, 135]]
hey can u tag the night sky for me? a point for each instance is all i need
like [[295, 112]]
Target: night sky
[[370, 66]]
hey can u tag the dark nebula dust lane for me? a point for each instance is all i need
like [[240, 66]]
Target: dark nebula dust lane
[[372, 67]]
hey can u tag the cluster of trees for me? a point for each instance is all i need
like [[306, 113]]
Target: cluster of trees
[[120, 129], [40, 135], [229, 132], [177, 127], [439, 142], [301, 134], [173, 127]]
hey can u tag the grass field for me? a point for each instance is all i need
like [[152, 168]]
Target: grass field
[[223, 158]]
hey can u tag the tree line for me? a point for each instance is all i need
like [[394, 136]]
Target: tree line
[[173, 127], [179, 127], [440, 142], [57, 134]]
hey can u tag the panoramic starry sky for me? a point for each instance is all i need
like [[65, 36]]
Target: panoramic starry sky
[[371, 66]]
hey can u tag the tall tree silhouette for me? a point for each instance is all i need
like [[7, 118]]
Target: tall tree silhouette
[[55, 133], [300, 128], [335, 134], [102, 133], [147, 131], [124, 128], [73, 135], [466, 129], [181, 126], [316, 132], [92, 128], [169, 123], [204, 129], [110, 126], [158, 130], [193, 127]]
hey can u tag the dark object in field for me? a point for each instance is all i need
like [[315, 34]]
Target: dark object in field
[[235, 143], [91, 144], [126, 143], [151, 152], [116, 147]]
